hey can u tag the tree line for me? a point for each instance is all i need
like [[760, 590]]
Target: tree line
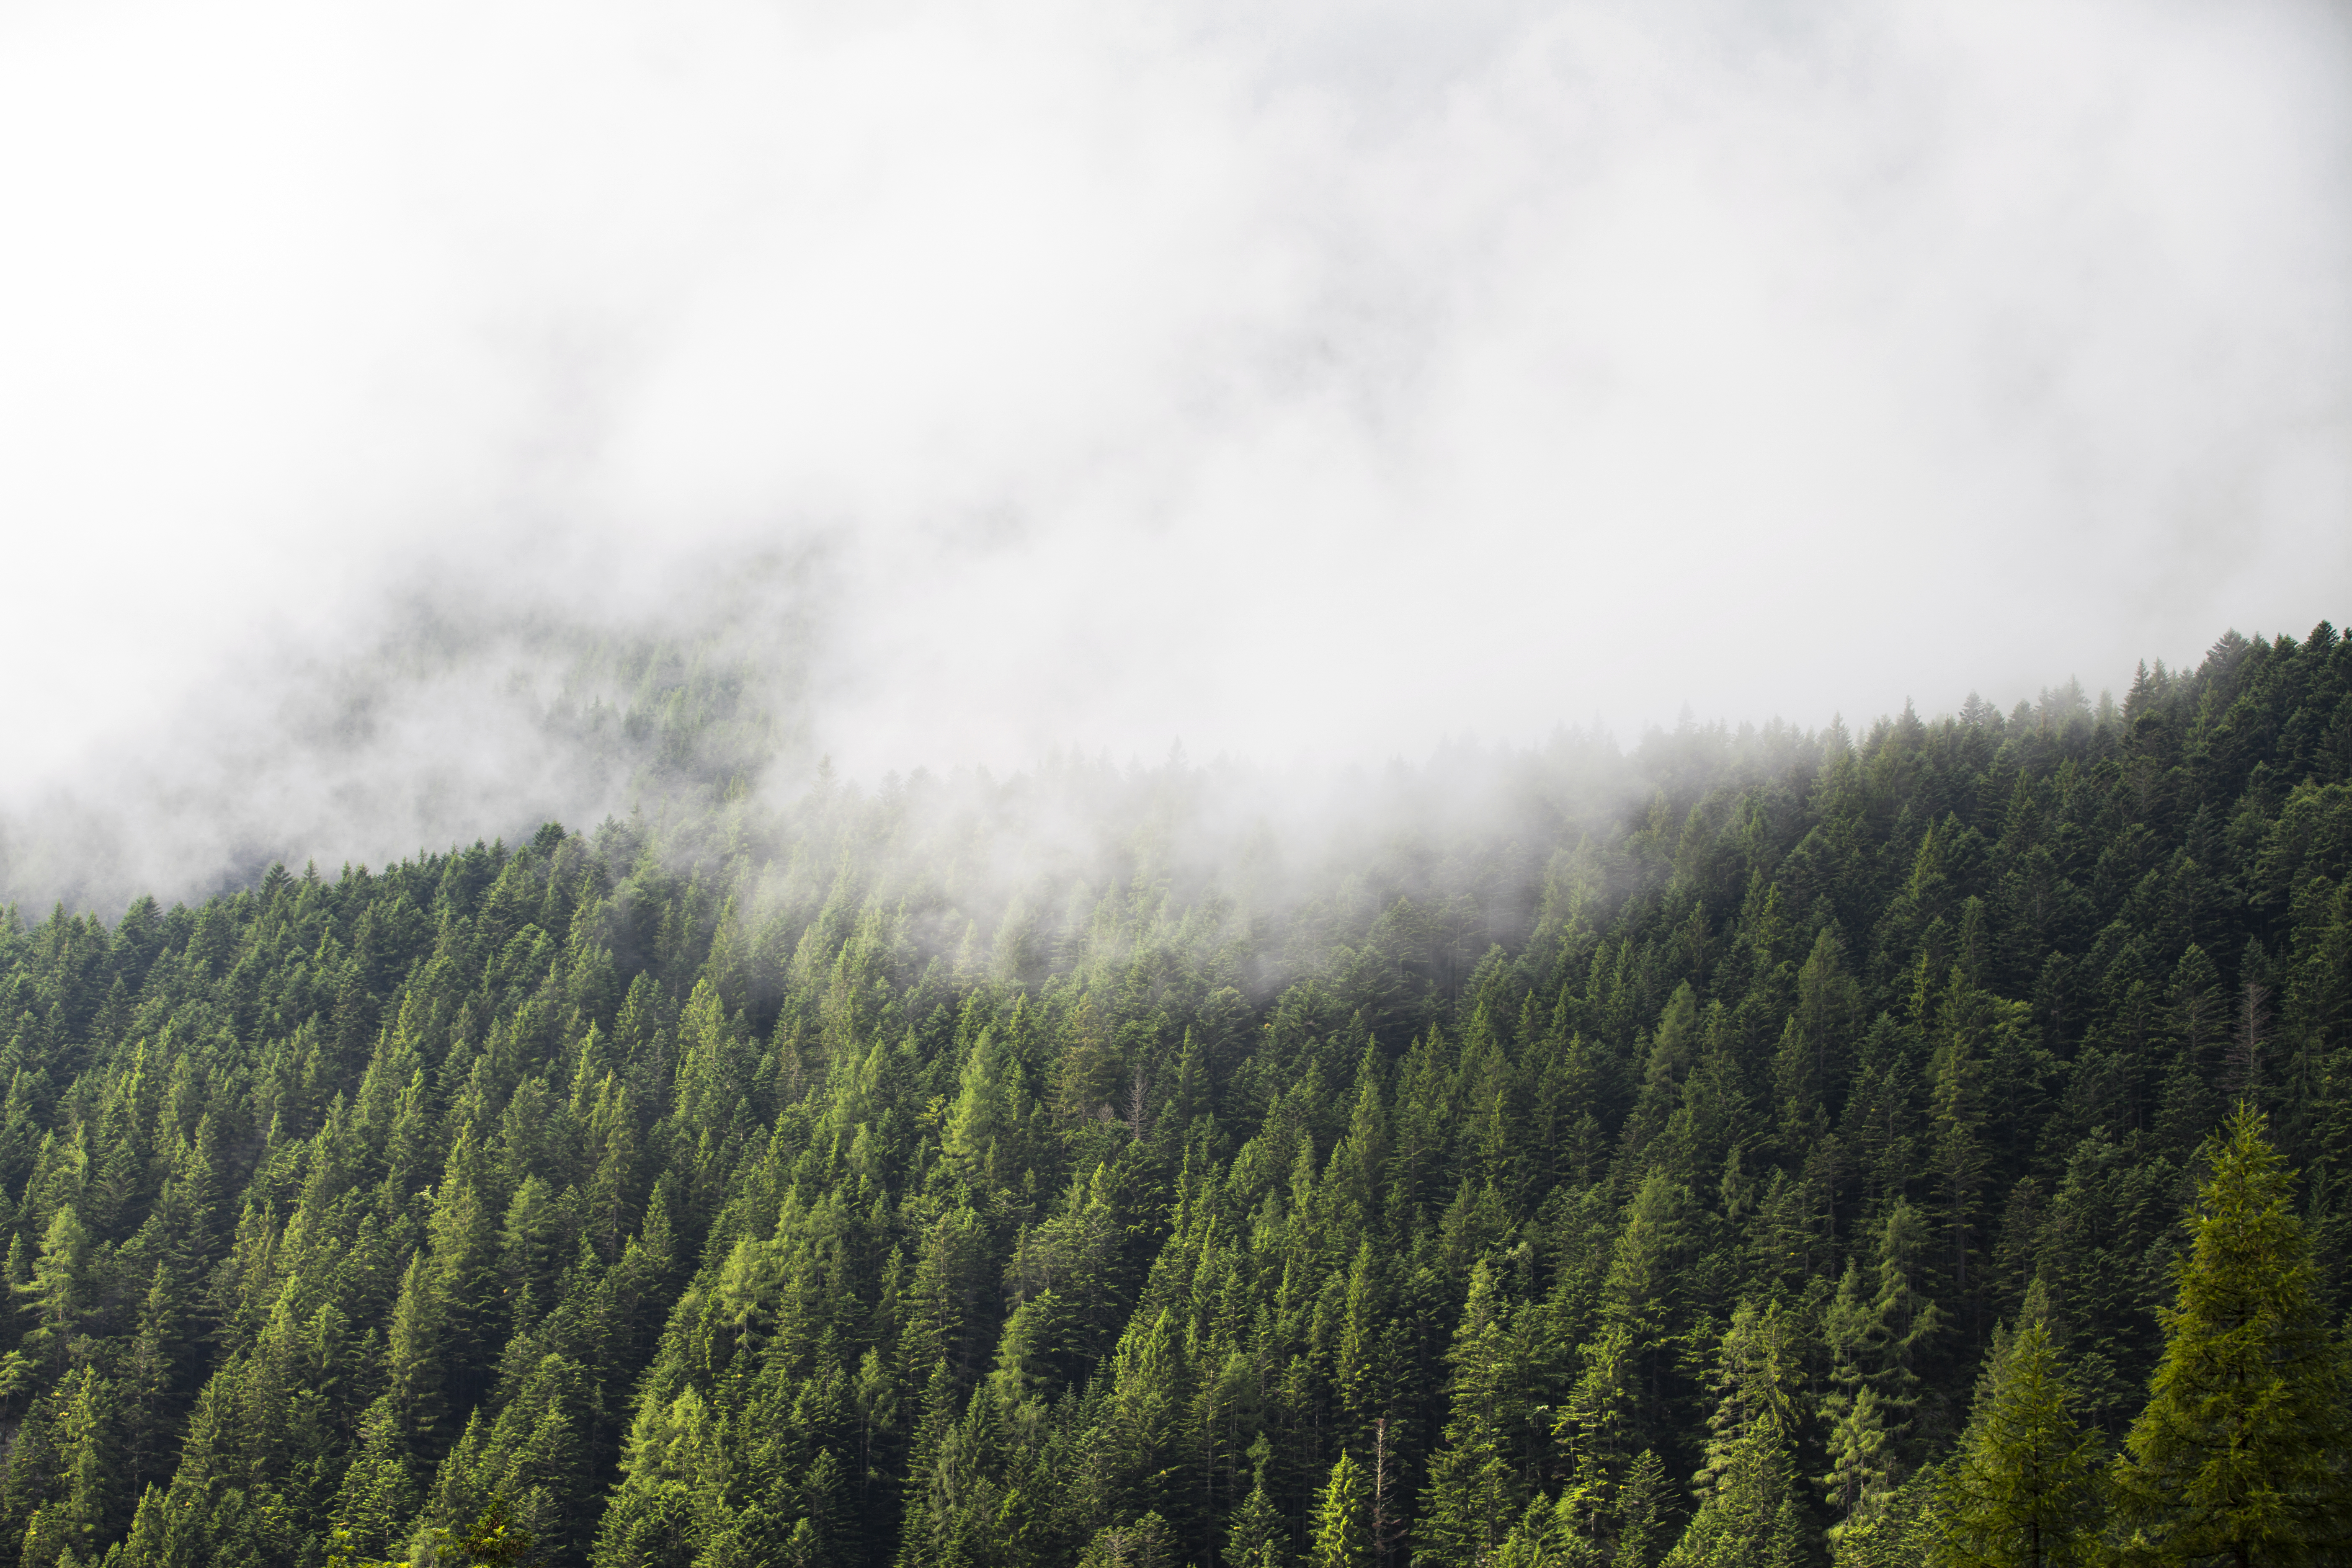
[[1771, 1147]]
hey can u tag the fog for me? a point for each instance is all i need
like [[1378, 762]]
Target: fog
[[1303, 383]]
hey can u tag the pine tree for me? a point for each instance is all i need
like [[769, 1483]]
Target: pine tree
[[1904, 1323], [1145, 1543], [60, 1288], [987, 1116], [1750, 1517], [1967, 1020], [2027, 1487], [1627, 1393], [1906, 1533], [2240, 1454], [415, 1352], [1640, 1513], [1474, 1495], [85, 1494], [1748, 1513], [149, 1378], [1143, 1434], [96, 1502], [1343, 1537], [1356, 1372], [379, 1490], [1862, 1424], [692, 1093], [1253, 1538], [1547, 1536]]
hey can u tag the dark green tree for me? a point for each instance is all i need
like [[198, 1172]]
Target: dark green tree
[[1256, 1537], [1474, 1495], [1342, 1522], [1750, 1512], [2241, 1455], [2027, 1489]]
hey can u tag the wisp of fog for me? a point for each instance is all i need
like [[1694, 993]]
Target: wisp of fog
[[417, 420]]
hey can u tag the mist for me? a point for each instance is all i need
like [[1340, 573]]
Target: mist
[[384, 389]]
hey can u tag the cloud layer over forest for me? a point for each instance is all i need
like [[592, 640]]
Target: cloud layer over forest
[[1298, 381]]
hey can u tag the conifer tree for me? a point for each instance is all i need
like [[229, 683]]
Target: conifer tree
[[60, 1288], [1356, 1370], [415, 1352], [1860, 1437], [92, 1489], [149, 1379], [1343, 1537], [1473, 1495], [1145, 1543], [2027, 1487], [379, 1490], [2241, 1455], [1627, 1392], [1749, 1515], [1904, 1324], [987, 1114], [670, 1188], [1641, 1514], [1548, 1536], [1255, 1537], [1906, 1533]]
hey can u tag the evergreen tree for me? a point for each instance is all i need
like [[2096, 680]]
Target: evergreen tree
[[2241, 1455], [1255, 1537], [1474, 1496], [2027, 1487], [1904, 1325], [1861, 1445], [415, 1352], [378, 1490], [1145, 1543], [1547, 1536], [1906, 1533], [1750, 1514], [1641, 1514], [1343, 1537], [1630, 1389]]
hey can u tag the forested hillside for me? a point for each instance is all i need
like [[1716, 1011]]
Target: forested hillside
[[1719, 1152]]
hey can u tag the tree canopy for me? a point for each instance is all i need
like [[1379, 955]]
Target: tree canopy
[[1758, 1146]]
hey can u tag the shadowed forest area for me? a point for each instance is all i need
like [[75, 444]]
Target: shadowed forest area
[[1761, 1147]]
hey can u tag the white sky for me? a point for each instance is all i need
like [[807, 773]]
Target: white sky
[[1289, 378]]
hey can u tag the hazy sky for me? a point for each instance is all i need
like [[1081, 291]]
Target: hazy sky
[[1288, 378]]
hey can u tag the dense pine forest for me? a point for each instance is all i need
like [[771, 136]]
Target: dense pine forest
[[1756, 1147]]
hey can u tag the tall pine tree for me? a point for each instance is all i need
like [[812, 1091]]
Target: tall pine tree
[[2026, 1489], [2240, 1456], [1343, 1536]]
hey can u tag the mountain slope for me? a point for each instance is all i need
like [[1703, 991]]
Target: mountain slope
[[1083, 1165]]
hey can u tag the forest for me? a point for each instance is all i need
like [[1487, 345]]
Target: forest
[[1758, 1146]]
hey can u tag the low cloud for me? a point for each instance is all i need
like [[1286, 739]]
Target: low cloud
[[1300, 382]]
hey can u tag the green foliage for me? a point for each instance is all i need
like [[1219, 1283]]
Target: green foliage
[[1256, 1537], [492, 1542], [1475, 1494], [1749, 1514], [1906, 1533], [1632, 1168], [2243, 1451], [2026, 1489], [1641, 1514], [1145, 1543], [1343, 1535]]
